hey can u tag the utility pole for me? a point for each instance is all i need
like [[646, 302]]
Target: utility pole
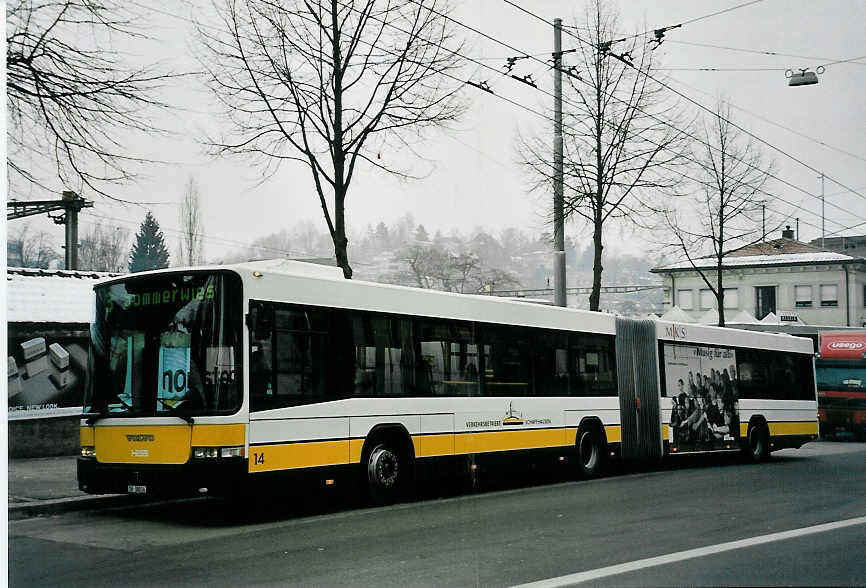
[[822, 209], [558, 204], [763, 223], [71, 220], [70, 203]]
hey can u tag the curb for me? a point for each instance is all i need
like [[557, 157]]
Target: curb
[[24, 510]]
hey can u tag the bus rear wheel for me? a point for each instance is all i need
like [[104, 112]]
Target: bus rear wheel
[[387, 470], [758, 443], [590, 454]]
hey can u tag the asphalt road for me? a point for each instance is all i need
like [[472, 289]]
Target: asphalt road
[[645, 521]]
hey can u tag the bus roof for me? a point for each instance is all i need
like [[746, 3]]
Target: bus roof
[[321, 285]]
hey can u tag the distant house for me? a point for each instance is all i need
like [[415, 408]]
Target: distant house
[[798, 282], [853, 245]]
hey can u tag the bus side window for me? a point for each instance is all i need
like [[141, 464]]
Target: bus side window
[[550, 363], [448, 361], [301, 340], [594, 364], [261, 358], [507, 361]]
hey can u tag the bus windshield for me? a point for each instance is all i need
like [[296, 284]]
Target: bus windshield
[[167, 344]]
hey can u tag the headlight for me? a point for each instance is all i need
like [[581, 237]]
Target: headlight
[[205, 452], [215, 452], [88, 451], [232, 452]]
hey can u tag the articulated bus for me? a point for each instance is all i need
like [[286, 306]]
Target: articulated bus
[[841, 374], [216, 378]]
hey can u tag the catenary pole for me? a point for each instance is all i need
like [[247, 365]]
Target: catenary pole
[[558, 221]]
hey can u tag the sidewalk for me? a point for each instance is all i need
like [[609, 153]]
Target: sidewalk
[[48, 485]]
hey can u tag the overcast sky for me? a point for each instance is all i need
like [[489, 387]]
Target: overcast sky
[[470, 172]]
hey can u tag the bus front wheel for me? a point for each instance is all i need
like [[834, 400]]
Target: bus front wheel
[[759, 443], [386, 474]]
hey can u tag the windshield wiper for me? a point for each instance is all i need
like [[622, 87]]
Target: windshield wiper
[[106, 414], [174, 412]]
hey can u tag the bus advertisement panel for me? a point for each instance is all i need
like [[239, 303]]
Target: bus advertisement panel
[[701, 382], [47, 374]]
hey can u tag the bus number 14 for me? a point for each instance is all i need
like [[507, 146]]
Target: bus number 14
[[258, 458]]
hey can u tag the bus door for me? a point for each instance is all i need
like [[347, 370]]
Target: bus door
[[637, 381]]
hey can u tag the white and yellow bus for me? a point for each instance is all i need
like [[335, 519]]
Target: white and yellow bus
[[217, 377]]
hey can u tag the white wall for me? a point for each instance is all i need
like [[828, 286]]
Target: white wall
[[783, 279]]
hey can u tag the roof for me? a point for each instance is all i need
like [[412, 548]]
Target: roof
[[50, 296], [778, 252]]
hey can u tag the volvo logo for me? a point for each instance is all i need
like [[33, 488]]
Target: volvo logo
[[139, 438]]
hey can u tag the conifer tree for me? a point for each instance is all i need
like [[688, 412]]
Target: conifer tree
[[149, 251]]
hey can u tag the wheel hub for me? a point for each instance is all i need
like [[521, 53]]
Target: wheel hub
[[385, 466]]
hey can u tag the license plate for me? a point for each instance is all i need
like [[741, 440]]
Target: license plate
[[136, 489]]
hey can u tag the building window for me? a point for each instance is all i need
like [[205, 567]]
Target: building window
[[765, 301], [684, 299], [666, 295], [864, 295], [708, 299], [829, 295], [732, 299], [803, 296]]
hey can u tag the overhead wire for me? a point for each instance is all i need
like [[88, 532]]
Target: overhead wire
[[678, 25], [781, 126], [733, 124], [535, 57], [829, 60], [180, 232], [662, 121]]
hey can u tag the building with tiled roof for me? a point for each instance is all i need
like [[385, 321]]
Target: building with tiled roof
[[797, 282]]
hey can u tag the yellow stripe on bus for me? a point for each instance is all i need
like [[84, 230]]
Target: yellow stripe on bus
[[218, 435], [484, 442], [801, 428], [786, 428], [323, 453], [266, 458]]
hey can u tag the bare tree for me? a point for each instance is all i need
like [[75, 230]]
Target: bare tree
[[71, 100], [37, 249], [272, 246], [305, 234], [191, 226], [434, 268], [723, 214], [618, 141], [328, 83], [104, 248]]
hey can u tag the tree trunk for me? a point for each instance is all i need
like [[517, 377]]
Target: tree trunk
[[339, 154], [341, 243], [595, 296]]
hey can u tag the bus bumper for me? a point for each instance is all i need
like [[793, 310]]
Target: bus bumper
[[218, 477]]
